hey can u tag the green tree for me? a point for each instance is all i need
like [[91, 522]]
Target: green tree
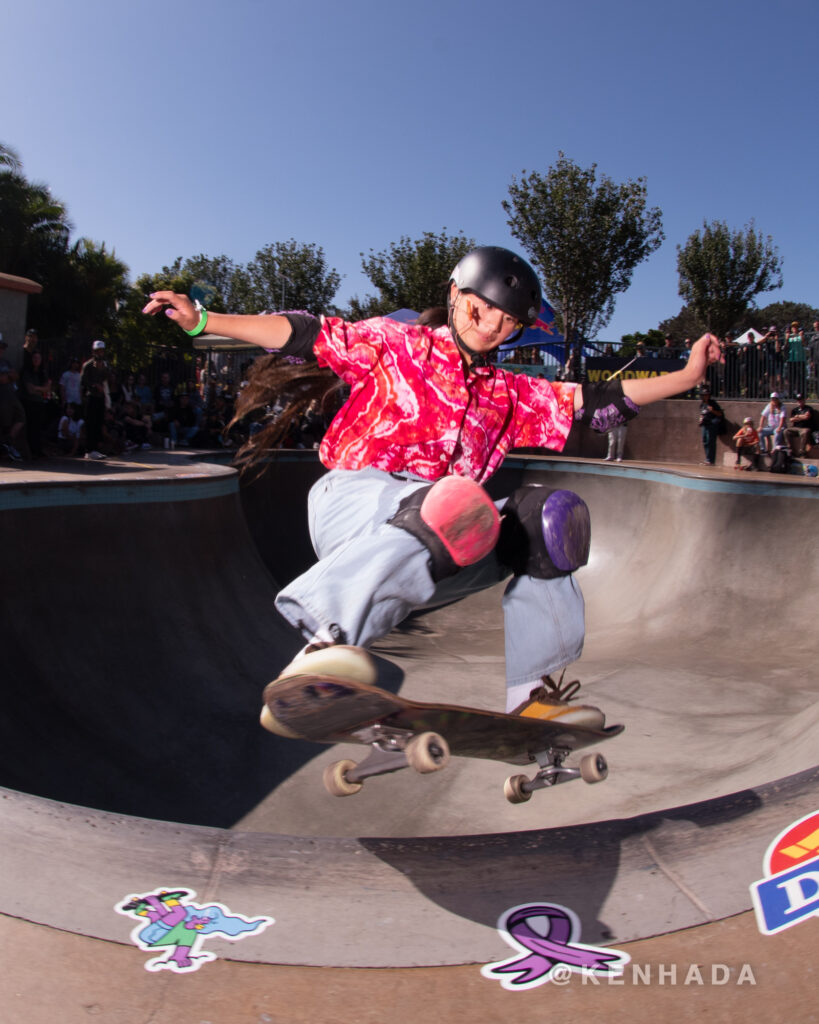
[[34, 227], [290, 275], [140, 337], [652, 339], [686, 324], [9, 158], [585, 237], [721, 271], [217, 281], [100, 287], [782, 313], [410, 274]]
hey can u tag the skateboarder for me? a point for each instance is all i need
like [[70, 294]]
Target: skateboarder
[[400, 521]]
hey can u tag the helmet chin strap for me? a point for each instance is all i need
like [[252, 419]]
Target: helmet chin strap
[[477, 360]]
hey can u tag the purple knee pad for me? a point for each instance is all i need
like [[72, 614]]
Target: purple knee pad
[[544, 533]]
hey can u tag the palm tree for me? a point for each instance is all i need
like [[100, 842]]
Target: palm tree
[[9, 158], [34, 226], [100, 283]]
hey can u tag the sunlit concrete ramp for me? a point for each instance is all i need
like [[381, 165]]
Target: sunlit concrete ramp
[[138, 631]]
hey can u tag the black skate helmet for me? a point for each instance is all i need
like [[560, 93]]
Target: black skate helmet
[[501, 277]]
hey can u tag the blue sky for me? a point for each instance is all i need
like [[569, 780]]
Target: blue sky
[[175, 128]]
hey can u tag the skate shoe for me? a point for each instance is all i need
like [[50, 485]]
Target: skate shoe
[[550, 701], [339, 661]]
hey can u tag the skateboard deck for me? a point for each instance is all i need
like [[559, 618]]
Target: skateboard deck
[[327, 708]]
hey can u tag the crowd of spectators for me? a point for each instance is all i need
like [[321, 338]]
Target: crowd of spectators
[[784, 360], [94, 411]]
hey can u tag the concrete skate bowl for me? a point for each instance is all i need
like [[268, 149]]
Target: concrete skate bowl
[[141, 633]]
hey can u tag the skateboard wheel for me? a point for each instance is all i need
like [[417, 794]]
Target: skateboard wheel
[[427, 752], [513, 789], [593, 768], [272, 724], [335, 779], [340, 661]]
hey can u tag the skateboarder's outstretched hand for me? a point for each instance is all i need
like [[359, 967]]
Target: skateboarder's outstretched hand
[[270, 332], [644, 390]]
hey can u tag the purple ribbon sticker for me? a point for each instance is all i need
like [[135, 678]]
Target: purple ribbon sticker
[[547, 955]]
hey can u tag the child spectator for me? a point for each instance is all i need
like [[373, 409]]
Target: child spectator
[[71, 430], [747, 442]]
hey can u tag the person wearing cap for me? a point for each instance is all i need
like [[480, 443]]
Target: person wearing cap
[[401, 520], [747, 443], [796, 359], [772, 423], [802, 423], [94, 384]]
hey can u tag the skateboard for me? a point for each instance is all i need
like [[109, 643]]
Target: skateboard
[[338, 702]]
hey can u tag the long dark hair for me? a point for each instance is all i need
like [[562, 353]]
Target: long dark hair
[[296, 384]]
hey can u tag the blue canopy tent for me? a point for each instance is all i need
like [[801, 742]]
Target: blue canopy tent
[[404, 316], [542, 334]]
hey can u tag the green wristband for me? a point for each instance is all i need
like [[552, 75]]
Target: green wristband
[[203, 319]]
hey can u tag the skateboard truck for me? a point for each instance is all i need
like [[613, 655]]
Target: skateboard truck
[[519, 788], [391, 750]]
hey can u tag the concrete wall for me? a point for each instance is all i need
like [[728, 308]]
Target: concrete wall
[[14, 293], [667, 432]]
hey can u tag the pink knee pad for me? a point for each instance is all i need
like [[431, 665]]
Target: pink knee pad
[[463, 517]]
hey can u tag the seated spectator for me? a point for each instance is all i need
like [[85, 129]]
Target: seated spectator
[[143, 394], [183, 425], [12, 415], [164, 403], [747, 444], [772, 424], [803, 422], [71, 431], [113, 433], [137, 427]]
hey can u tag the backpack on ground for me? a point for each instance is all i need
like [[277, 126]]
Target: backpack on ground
[[780, 461]]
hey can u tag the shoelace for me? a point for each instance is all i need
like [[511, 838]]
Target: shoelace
[[560, 690]]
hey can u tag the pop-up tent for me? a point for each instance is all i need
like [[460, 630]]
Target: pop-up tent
[[543, 335], [749, 336]]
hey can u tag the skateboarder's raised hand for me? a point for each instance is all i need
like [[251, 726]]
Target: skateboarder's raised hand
[[645, 390], [269, 332]]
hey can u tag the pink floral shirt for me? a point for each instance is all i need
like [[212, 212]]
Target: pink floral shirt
[[412, 409]]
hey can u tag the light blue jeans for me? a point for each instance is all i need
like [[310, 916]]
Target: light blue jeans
[[370, 576]]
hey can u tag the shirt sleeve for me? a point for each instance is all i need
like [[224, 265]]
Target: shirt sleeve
[[544, 413], [350, 350]]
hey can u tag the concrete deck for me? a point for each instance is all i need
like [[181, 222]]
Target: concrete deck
[[140, 637]]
